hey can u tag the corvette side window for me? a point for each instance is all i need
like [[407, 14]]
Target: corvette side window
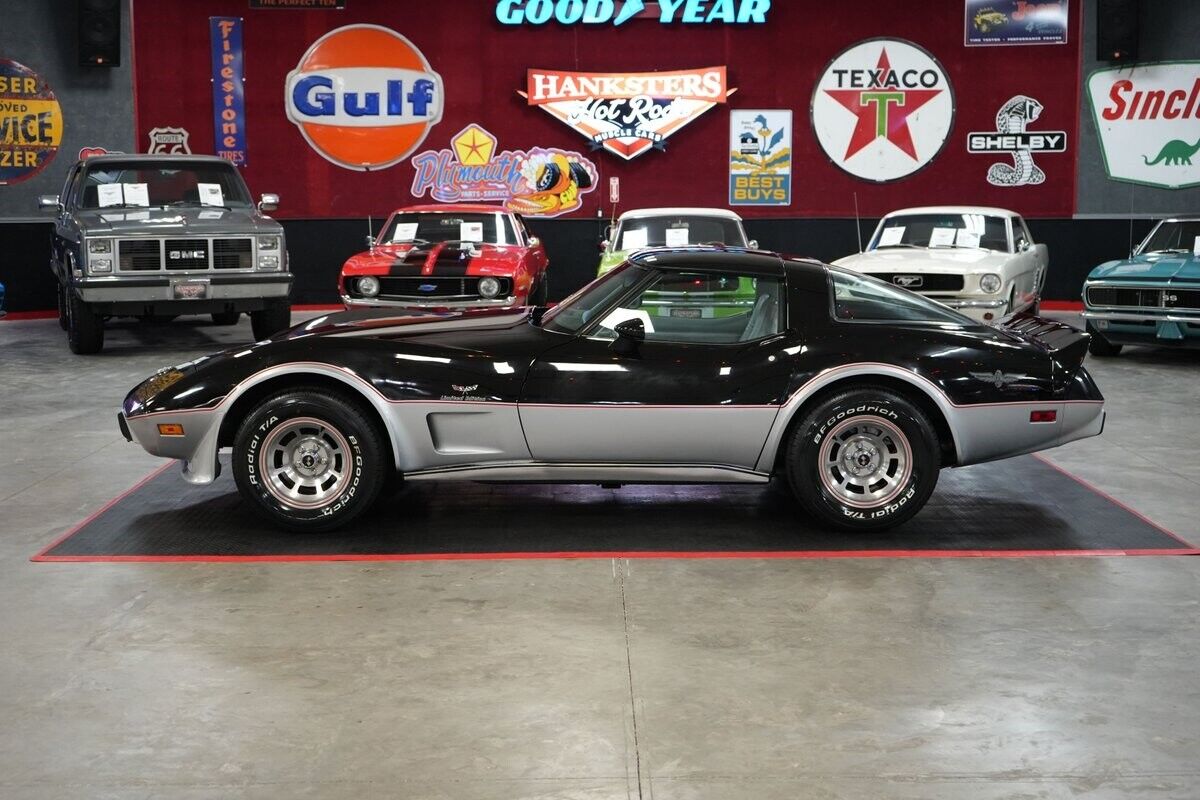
[[702, 308]]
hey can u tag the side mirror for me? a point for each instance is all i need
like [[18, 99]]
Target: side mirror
[[630, 333], [603, 245], [753, 244], [370, 242], [269, 202], [534, 241], [1025, 245], [49, 202]]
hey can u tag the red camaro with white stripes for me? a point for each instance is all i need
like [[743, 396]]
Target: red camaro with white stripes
[[448, 256]]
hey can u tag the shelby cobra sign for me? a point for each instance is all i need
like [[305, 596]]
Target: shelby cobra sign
[[1147, 119]]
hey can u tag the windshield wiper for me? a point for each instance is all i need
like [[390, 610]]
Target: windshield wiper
[[122, 205], [1170, 250], [175, 203], [898, 244]]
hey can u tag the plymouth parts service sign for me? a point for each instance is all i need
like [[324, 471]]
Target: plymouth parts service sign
[[31, 123], [1148, 120], [364, 97], [627, 114], [882, 109]]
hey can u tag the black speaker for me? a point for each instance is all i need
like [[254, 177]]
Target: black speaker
[[1116, 30], [99, 33]]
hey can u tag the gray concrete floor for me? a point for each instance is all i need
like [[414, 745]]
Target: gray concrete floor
[[892, 678]]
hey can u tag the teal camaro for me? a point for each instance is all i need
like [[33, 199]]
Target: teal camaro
[[1151, 298]]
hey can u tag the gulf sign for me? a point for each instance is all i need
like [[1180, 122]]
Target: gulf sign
[[364, 97], [31, 123]]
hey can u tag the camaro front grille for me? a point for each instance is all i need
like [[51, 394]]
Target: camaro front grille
[[144, 255], [922, 281], [1140, 297], [431, 287]]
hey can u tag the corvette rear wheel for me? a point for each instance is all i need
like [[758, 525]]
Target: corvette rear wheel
[[309, 461], [863, 460]]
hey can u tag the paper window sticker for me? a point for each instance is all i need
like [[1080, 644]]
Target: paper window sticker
[[211, 194], [470, 231], [136, 194], [677, 237], [633, 239], [891, 236], [1196, 246], [942, 237], [966, 238], [405, 231], [109, 194]]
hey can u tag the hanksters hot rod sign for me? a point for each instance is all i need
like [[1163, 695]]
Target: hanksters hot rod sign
[[1148, 121]]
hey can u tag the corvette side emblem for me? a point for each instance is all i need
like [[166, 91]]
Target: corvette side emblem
[[998, 378], [464, 389]]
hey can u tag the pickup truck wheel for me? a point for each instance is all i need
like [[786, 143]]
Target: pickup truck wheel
[[309, 461], [62, 306], [226, 318], [271, 320], [1099, 346], [85, 328], [863, 460]]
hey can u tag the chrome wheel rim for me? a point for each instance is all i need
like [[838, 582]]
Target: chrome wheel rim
[[305, 463], [865, 461]]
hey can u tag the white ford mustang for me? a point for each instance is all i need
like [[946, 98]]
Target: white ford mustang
[[981, 261]]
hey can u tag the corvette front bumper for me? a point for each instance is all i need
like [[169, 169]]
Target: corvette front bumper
[[188, 436]]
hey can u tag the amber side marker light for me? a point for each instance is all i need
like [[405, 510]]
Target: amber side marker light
[[175, 429], [1034, 416]]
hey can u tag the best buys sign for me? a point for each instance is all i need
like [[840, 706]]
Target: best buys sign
[[31, 123], [627, 113], [364, 97], [1147, 119]]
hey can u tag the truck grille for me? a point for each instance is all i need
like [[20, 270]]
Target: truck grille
[[921, 282], [1121, 297], [143, 255], [138, 254], [429, 287]]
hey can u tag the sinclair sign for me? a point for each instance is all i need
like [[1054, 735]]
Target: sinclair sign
[[1148, 121]]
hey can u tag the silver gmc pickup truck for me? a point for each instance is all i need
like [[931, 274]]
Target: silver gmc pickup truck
[[156, 236]]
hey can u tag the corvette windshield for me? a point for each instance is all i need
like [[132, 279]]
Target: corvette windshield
[[678, 231], [579, 309], [434, 227], [1173, 237], [942, 230], [140, 184]]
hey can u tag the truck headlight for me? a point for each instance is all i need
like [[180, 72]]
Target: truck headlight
[[268, 262], [489, 287], [990, 283], [99, 246], [99, 265], [368, 286], [268, 243]]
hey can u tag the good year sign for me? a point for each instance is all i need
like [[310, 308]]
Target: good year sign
[[599, 12]]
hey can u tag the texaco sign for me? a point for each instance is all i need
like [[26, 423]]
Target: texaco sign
[[883, 109]]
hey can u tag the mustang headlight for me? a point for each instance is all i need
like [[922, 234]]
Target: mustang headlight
[[489, 287], [990, 283], [368, 286]]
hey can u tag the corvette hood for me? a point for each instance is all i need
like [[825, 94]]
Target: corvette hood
[[443, 259], [1153, 268], [950, 259], [179, 221]]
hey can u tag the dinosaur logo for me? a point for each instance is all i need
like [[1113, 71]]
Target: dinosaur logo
[[1011, 136], [1174, 153]]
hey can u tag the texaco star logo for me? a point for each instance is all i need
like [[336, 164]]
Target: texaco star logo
[[883, 109]]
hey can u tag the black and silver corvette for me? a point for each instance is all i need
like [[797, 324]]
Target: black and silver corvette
[[664, 370]]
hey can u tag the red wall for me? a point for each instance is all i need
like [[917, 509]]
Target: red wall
[[483, 64]]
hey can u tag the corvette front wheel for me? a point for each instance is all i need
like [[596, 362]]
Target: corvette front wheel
[[864, 460], [309, 461]]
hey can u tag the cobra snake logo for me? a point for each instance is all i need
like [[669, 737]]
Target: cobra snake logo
[[1012, 117]]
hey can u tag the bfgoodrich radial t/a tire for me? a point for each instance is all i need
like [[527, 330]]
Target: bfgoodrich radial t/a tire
[[864, 460], [309, 461]]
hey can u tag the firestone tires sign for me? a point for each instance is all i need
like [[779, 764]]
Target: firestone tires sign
[[1146, 117], [883, 109]]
